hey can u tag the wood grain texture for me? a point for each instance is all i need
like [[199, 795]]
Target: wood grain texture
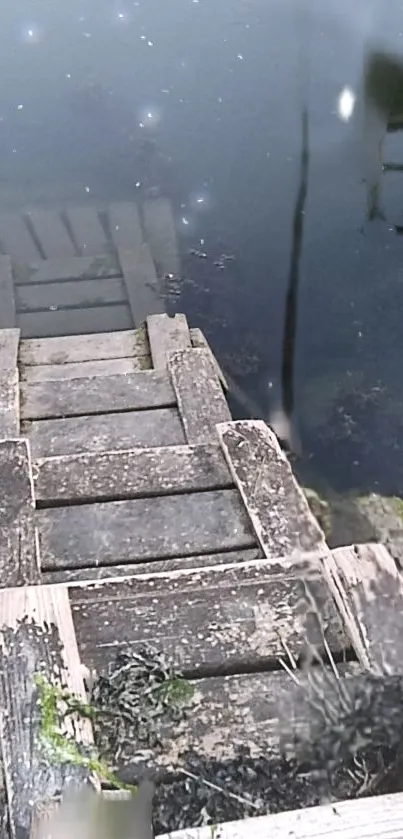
[[15, 239], [19, 557], [36, 637], [166, 335], [142, 529], [75, 348], [85, 369], [95, 395], [105, 432], [67, 294], [131, 474], [7, 299], [217, 619], [142, 286], [380, 817], [156, 567], [199, 341], [74, 321], [9, 383], [160, 233], [51, 234], [66, 268], [202, 404], [124, 225], [277, 507], [368, 589], [87, 231]]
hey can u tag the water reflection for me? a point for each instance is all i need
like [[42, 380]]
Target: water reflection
[[200, 102]]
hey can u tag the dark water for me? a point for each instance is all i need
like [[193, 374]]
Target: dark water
[[219, 88]]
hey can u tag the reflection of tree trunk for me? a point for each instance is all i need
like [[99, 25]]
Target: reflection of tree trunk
[[291, 308]]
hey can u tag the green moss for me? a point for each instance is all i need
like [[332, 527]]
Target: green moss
[[175, 691], [55, 705], [397, 504]]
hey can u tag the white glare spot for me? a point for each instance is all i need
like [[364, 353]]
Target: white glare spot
[[346, 104], [150, 43], [87, 189], [240, 57], [185, 221], [149, 116], [68, 75], [31, 34]]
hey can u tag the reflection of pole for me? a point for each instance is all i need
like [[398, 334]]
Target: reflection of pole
[[291, 308]]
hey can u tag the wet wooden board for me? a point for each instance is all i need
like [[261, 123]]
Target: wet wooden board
[[142, 287], [69, 322], [142, 529], [75, 369], [125, 225], [276, 505], [7, 300], [104, 432], [96, 395], [255, 713], [379, 816], [199, 341], [217, 619], [200, 397], [87, 231], [368, 589], [15, 239], [96, 347], [9, 384], [166, 335], [70, 294], [131, 474], [19, 557], [37, 637], [51, 234], [160, 233], [67, 268], [156, 567]]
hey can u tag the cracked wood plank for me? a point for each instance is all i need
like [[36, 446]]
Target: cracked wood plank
[[125, 225], [208, 619], [276, 505], [96, 395], [66, 268], [78, 369], [36, 637], [19, 555], [159, 470], [68, 294], [141, 282], [368, 589], [68, 349], [201, 401], [166, 335], [75, 321], [7, 299], [9, 383], [160, 232]]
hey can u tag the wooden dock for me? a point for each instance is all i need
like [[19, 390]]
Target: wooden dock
[[135, 512]]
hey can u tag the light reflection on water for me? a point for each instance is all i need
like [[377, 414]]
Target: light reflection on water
[[203, 100]]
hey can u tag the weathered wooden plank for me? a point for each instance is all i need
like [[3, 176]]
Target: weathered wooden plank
[[142, 529], [7, 300], [97, 347], [200, 342], [380, 816], [215, 619], [75, 369], [87, 231], [73, 322], [131, 474], [125, 225], [276, 505], [142, 287], [19, 556], [37, 638], [51, 234], [201, 401], [67, 294], [96, 395], [15, 239], [166, 335], [178, 564], [9, 384], [160, 232], [368, 590], [98, 433], [67, 268]]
